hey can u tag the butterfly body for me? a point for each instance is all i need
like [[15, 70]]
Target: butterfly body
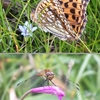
[[66, 19]]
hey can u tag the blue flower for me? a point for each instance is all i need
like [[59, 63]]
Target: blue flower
[[27, 29]]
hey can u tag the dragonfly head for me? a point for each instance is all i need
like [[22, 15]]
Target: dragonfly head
[[49, 74]]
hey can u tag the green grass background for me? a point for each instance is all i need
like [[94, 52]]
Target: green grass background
[[15, 68], [17, 12]]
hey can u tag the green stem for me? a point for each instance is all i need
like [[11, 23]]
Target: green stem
[[22, 98], [85, 45]]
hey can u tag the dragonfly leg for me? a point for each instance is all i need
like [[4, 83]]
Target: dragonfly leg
[[52, 83], [43, 82]]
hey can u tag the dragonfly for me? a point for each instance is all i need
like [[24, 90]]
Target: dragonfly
[[47, 77]]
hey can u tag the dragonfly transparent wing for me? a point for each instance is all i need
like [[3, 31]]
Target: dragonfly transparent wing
[[32, 82], [71, 85], [27, 82]]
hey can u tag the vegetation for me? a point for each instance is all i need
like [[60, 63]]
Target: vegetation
[[85, 71], [16, 12]]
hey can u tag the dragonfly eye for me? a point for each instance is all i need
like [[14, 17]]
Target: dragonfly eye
[[49, 75]]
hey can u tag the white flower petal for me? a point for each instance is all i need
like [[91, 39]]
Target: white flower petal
[[23, 34], [25, 28], [21, 28], [27, 34], [34, 28], [30, 26], [26, 23]]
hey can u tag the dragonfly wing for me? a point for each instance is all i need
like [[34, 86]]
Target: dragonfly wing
[[30, 83], [71, 85]]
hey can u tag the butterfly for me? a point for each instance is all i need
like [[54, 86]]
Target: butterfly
[[66, 19]]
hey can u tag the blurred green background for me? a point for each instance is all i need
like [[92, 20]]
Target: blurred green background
[[85, 71]]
